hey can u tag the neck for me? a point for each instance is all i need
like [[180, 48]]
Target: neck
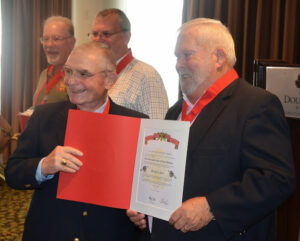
[[200, 91], [92, 107], [57, 68], [122, 54], [194, 97]]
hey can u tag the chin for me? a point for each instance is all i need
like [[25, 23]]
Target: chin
[[74, 101], [188, 89], [53, 61]]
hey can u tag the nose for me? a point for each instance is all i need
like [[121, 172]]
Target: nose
[[179, 63], [69, 79], [49, 43], [96, 38]]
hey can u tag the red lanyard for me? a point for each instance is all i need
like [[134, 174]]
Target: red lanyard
[[124, 62], [106, 109], [208, 96], [49, 83], [54, 79]]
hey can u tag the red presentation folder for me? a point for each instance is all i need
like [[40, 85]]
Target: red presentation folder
[[109, 144]]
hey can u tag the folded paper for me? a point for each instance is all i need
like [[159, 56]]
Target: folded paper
[[122, 158]]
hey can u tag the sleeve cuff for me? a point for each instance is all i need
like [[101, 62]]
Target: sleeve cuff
[[38, 174]]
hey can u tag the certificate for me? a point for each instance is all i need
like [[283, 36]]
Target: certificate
[[159, 167], [127, 162]]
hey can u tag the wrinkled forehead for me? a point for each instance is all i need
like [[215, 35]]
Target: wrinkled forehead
[[187, 40], [83, 57], [55, 27], [201, 38], [108, 21], [90, 59]]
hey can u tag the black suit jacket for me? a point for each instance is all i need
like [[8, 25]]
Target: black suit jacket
[[53, 219], [239, 156]]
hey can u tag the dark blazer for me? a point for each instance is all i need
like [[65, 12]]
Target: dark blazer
[[53, 219], [239, 156]]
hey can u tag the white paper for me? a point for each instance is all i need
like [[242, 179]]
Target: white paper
[[159, 167]]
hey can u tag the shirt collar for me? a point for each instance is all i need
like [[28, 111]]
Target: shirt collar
[[119, 60], [101, 108], [190, 105]]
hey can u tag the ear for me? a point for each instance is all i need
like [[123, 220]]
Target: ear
[[110, 79], [72, 42], [127, 36], [220, 57]]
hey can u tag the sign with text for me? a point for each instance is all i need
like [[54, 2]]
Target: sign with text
[[285, 83]]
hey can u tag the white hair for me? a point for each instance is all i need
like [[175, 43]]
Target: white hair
[[212, 34], [103, 52], [66, 21]]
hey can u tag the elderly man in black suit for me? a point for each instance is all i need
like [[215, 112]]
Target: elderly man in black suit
[[90, 72], [239, 165]]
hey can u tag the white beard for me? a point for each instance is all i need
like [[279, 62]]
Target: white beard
[[190, 84]]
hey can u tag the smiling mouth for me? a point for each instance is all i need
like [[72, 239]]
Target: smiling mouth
[[77, 91], [185, 76], [51, 53]]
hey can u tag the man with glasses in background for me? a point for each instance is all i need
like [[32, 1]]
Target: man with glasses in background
[[139, 86], [58, 41], [90, 72]]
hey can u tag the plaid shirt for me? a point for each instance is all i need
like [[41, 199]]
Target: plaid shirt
[[139, 87]]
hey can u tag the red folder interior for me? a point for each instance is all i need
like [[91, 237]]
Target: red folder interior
[[109, 144]]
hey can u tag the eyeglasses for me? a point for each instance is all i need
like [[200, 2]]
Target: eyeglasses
[[103, 34], [81, 74], [55, 39]]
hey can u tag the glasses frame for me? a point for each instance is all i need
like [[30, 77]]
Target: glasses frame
[[103, 34], [81, 75], [55, 39]]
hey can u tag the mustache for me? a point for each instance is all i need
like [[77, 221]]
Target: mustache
[[184, 73]]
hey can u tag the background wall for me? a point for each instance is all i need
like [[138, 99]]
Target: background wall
[[84, 12]]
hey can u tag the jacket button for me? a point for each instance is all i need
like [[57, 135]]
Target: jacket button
[[85, 213]]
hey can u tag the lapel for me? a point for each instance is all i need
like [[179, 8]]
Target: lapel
[[61, 122], [113, 108], [174, 111], [208, 115]]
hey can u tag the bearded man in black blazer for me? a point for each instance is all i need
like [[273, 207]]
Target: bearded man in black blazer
[[40, 156], [239, 165]]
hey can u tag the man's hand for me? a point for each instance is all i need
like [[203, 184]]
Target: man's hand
[[137, 218], [62, 158], [193, 215]]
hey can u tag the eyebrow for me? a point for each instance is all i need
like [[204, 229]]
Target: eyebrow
[[82, 71], [78, 70]]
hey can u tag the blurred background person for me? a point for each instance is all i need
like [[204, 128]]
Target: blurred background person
[[139, 86], [58, 41]]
